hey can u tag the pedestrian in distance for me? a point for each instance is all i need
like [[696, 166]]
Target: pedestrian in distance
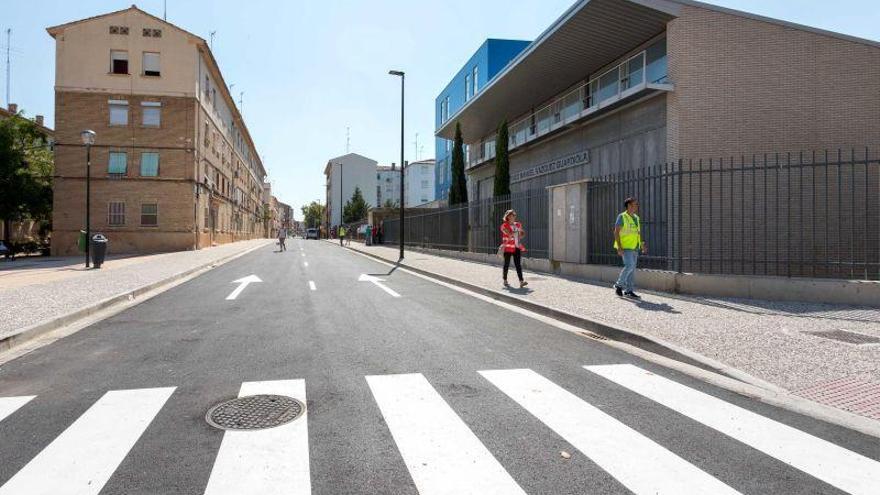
[[282, 238], [512, 234], [341, 232], [628, 242]]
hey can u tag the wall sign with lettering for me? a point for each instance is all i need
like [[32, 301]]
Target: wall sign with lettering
[[579, 158]]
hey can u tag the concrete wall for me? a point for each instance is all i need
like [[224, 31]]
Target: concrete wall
[[627, 139]]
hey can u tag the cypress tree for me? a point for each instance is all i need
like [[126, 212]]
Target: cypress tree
[[458, 188], [502, 162]]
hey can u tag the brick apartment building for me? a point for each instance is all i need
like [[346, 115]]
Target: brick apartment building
[[173, 166]]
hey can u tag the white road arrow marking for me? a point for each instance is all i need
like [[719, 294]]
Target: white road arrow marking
[[378, 282], [243, 282]]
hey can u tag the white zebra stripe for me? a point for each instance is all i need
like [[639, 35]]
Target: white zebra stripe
[[442, 454], [81, 460], [639, 463], [839, 467], [265, 462]]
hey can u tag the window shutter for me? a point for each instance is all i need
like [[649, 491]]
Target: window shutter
[[151, 64]]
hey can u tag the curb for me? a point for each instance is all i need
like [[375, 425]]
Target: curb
[[36, 330], [600, 330]]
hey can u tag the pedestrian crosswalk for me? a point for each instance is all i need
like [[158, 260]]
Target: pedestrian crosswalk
[[438, 448]]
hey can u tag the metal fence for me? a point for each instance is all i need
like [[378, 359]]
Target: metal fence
[[796, 215]]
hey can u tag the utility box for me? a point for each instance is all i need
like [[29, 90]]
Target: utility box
[[568, 222]]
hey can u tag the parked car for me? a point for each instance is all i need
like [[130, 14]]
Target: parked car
[[312, 234]]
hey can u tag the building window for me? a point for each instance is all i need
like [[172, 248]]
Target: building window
[[152, 33], [118, 62], [115, 214], [123, 30], [425, 169], [118, 112], [657, 70], [151, 64], [467, 87], [476, 74], [448, 110], [118, 164], [149, 164], [151, 112], [424, 184], [149, 214]]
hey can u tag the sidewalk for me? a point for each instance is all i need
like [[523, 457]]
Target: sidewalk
[[39, 291], [768, 340]]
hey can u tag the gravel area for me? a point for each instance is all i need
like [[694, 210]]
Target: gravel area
[[48, 297], [763, 338]]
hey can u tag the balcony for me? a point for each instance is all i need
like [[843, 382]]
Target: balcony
[[634, 77]]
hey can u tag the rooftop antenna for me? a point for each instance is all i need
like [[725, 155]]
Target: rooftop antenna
[[416, 146], [212, 39], [8, 38], [348, 140], [165, 10], [240, 104]]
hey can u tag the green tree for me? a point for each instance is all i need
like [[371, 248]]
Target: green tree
[[26, 167], [356, 208], [458, 188], [313, 213], [502, 162], [390, 204]]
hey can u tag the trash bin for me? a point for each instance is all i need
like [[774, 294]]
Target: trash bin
[[81, 241], [98, 249]]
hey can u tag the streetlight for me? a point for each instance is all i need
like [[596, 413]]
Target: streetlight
[[402, 81], [88, 139]]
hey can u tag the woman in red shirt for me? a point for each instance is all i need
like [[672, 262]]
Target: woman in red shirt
[[512, 235]]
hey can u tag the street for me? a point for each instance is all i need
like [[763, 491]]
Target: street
[[410, 387]]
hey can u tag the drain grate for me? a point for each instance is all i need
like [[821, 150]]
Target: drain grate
[[255, 412], [848, 337], [848, 394]]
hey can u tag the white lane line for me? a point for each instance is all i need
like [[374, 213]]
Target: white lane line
[[9, 405], [82, 458], [639, 463], [312, 285], [271, 461], [842, 468], [442, 454], [306, 264]]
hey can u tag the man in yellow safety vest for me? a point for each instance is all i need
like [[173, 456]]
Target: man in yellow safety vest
[[628, 242]]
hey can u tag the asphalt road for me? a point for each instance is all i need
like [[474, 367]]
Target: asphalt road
[[430, 392]]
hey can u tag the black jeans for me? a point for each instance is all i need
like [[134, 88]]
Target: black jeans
[[517, 257]]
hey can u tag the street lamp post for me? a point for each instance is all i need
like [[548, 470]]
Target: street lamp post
[[402, 83], [88, 139]]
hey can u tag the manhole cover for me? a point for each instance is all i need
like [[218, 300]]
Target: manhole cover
[[255, 412], [848, 337]]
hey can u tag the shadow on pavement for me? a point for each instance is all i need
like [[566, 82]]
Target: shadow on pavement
[[395, 267]]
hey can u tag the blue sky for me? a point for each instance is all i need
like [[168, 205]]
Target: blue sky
[[311, 68]]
